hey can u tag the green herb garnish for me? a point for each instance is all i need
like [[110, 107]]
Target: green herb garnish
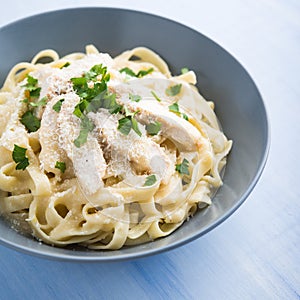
[[155, 96], [173, 90], [174, 108], [79, 83], [129, 122], [42, 102], [143, 73], [135, 127], [31, 87], [135, 98], [184, 70], [80, 108], [19, 157], [31, 83], [35, 93], [102, 100], [95, 71], [95, 96], [30, 121], [107, 101], [128, 72], [92, 99], [65, 65], [61, 166], [185, 116], [125, 125], [183, 168], [57, 105], [153, 128], [150, 180], [140, 74], [86, 126]]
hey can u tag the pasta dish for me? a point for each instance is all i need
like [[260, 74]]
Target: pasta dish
[[105, 152]]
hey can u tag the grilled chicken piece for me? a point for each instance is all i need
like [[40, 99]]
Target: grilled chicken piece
[[130, 154], [88, 161], [48, 136], [147, 157], [182, 133]]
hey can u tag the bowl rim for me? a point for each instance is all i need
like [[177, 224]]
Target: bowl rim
[[144, 253]]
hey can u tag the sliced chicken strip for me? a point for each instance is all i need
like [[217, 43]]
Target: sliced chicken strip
[[114, 144], [89, 165], [131, 154], [48, 137], [88, 161], [148, 157], [182, 133]]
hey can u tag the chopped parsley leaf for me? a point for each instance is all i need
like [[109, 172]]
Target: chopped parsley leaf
[[86, 126], [129, 122], [140, 74], [91, 99], [80, 108], [42, 102], [57, 106], [150, 180], [135, 126], [31, 83], [35, 93], [30, 121], [173, 90], [185, 116], [153, 128], [31, 87], [128, 72], [109, 102], [65, 65], [125, 125], [82, 138], [95, 71], [102, 100], [135, 98], [184, 70], [61, 166], [155, 96], [143, 73], [183, 168], [79, 82], [19, 157], [80, 86], [174, 108]]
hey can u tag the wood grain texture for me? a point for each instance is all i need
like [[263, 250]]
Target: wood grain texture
[[255, 254]]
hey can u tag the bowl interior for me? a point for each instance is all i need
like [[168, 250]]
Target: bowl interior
[[221, 78]]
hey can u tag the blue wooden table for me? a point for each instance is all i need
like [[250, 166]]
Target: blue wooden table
[[255, 254]]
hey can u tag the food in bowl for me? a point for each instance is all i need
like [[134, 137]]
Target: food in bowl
[[105, 152]]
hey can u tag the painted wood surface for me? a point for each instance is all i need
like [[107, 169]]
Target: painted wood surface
[[255, 254]]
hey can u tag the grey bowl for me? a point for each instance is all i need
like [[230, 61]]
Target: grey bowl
[[239, 105]]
